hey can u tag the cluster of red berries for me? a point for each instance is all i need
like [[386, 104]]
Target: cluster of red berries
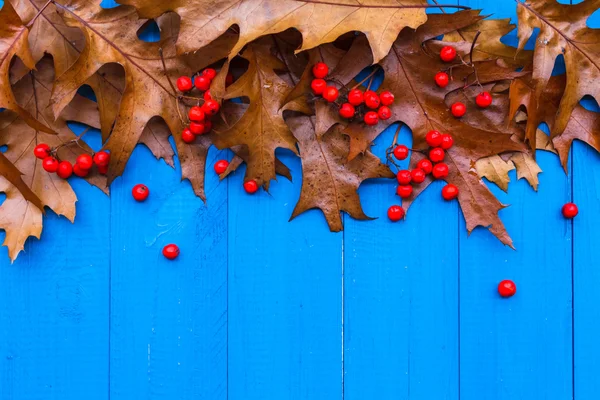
[[370, 105], [64, 169], [458, 109]]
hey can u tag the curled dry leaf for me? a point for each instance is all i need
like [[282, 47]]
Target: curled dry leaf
[[156, 137], [495, 170]]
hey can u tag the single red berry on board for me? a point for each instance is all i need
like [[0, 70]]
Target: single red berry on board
[[228, 79], [85, 161], [210, 73], [458, 109], [211, 107], [202, 83], [386, 98], [436, 154], [442, 79], [401, 152], [418, 175], [404, 191], [221, 166], [447, 141], [184, 84], [196, 114], [103, 170], [404, 177], [356, 97], [371, 118], [449, 192], [507, 288], [80, 172], [65, 169], [196, 128], [384, 113], [425, 165], [347, 110], [188, 135], [570, 210], [371, 99], [101, 158], [483, 99], [207, 126], [140, 192], [250, 186], [433, 138], [448, 53], [331, 94], [171, 251], [41, 151], [320, 70], [318, 86], [395, 213], [207, 95], [440, 171]]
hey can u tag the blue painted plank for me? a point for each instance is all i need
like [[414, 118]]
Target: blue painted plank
[[54, 305], [284, 296]]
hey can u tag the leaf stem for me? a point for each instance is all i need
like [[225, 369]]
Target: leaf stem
[[366, 78], [38, 14]]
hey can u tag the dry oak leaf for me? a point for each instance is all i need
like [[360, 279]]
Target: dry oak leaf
[[563, 31], [318, 21], [111, 37], [19, 217], [495, 170], [329, 181], [262, 128]]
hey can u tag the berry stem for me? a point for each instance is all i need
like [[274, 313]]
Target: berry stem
[[366, 78]]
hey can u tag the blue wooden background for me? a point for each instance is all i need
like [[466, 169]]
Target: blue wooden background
[[259, 308]]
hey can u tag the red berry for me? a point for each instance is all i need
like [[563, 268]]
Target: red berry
[[196, 128], [440, 170], [85, 161], [395, 213], [404, 191], [418, 175], [356, 97], [250, 186], [458, 109], [442, 79], [228, 79], [101, 158], [507, 288], [207, 95], [401, 152], [196, 114], [320, 70], [448, 53], [318, 86], [210, 73], [404, 177], [483, 100], [202, 83], [570, 210], [436, 154], [347, 110], [65, 169], [449, 192], [188, 135], [103, 170], [184, 84], [384, 113], [221, 166], [447, 141], [425, 165], [371, 99], [371, 118], [386, 98], [207, 126], [433, 138], [211, 107], [80, 172], [331, 94], [140, 192], [41, 151], [171, 251]]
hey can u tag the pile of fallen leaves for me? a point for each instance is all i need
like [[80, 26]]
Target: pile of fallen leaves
[[50, 49]]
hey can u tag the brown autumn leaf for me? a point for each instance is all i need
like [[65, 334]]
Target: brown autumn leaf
[[111, 37], [495, 170], [563, 31], [262, 128], [156, 137], [329, 181], [18, 216]]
